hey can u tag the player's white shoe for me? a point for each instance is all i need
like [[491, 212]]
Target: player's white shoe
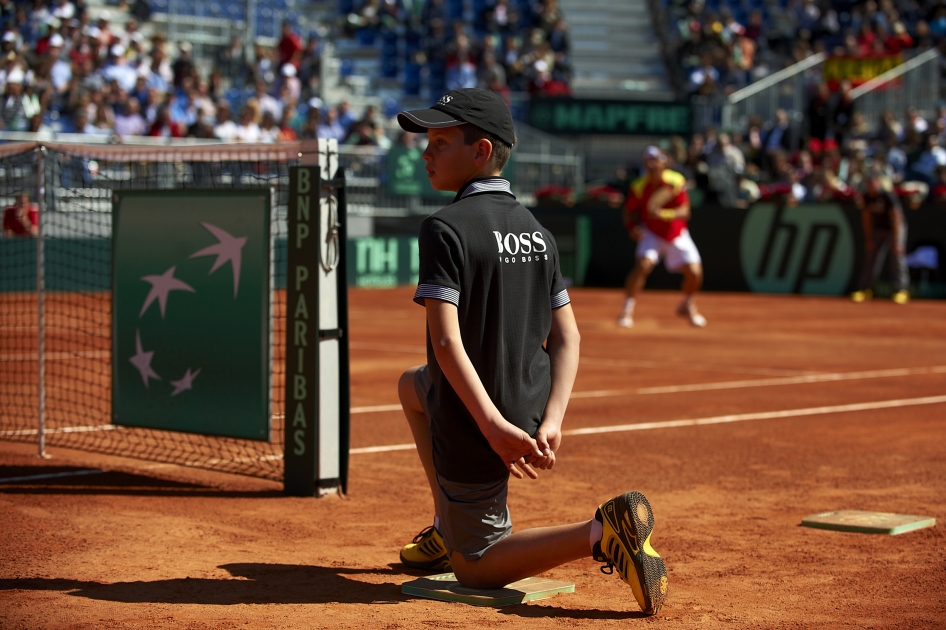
[[625, 321], [690, 312]]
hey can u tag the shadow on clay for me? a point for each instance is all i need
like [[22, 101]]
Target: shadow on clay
[[252, 583], [540, 611], [108, 482], [258, 583]]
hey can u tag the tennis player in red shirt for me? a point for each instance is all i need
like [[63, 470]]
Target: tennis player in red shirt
[[656, 214]]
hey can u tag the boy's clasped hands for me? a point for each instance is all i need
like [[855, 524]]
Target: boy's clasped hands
[[522, 454]]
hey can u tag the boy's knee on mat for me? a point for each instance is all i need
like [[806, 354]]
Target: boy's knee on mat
[[469, 573]]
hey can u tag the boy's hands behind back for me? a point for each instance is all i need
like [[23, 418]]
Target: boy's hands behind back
[[548, 437], [515, 448]]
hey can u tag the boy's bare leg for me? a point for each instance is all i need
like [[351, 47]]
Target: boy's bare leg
[[524, 554], [420, 427]]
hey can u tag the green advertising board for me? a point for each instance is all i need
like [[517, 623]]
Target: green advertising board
[[573, 116], [191, 311], [407, 175], [385, 261], [802, 249]]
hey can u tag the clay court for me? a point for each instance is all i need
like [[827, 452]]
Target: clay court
[[783, 407]]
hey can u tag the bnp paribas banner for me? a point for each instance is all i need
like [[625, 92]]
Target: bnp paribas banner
[[191, 312]]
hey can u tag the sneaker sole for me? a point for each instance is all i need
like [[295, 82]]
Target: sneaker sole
[[651, 570], [437, 564]]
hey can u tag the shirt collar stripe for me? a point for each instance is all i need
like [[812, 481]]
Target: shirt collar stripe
[[494, 184]]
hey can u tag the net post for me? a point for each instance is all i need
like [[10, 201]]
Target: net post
[[344, 385], [40, 306], [301, 451]]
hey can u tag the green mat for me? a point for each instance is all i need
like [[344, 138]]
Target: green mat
[[444, 587], [868, 522]]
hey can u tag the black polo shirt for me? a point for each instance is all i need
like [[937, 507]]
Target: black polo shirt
[[486, 254]]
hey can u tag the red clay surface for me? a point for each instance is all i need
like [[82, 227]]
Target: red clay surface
[[162, 546]]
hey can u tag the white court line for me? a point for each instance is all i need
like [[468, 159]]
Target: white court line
[[740, 417], [55, 356], [693, 367], [643, 426], [375, 408], [381, 449], [74, 473], [702, 387], [386, 347], [79, 429], [765, 382]]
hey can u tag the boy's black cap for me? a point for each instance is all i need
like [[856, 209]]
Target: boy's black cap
[[476, 106]]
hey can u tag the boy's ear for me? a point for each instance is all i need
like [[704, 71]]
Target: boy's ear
[[484, 151]]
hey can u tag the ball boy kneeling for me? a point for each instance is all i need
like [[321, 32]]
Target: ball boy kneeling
[[491, 399]]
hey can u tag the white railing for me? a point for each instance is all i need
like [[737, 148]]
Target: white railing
[[914, 83], [786, 89]]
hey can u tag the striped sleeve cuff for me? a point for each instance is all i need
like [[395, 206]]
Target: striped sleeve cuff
[[560, 299], [438, 293]]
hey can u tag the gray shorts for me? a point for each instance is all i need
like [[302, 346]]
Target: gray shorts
[[472, 516]]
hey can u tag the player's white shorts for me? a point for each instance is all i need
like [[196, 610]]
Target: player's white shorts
[[675, 254]]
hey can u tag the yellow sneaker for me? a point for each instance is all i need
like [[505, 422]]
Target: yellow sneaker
[[427, 551], [901, 297], [862, 296], [627, 522]]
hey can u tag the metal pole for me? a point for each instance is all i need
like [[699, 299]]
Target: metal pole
[[40, 288], [250, 36], [172, 25]]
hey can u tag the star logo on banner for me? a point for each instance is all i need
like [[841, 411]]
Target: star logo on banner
[[160, 287], [142, 361], [185, 383], [228, 249]]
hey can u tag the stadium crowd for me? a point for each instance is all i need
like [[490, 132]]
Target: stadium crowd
[[782, 159], [61, 72], [721, 48], [509, 46]]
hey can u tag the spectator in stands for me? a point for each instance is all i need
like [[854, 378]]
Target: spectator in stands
[[130, 122], [268, 130], [12, 115], [290, 46], [346, 117], [932, 157], [310, 130], [265, 68], [461, 69], [291, 83], [248, 130], [64, 10], [232, 64], [22, 218], [225, 128], [163, 126], [118, 69], [183, 66], [779, 136], [819, 112], [267, 103], [330, 127], [287, 132], [309, 65]]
